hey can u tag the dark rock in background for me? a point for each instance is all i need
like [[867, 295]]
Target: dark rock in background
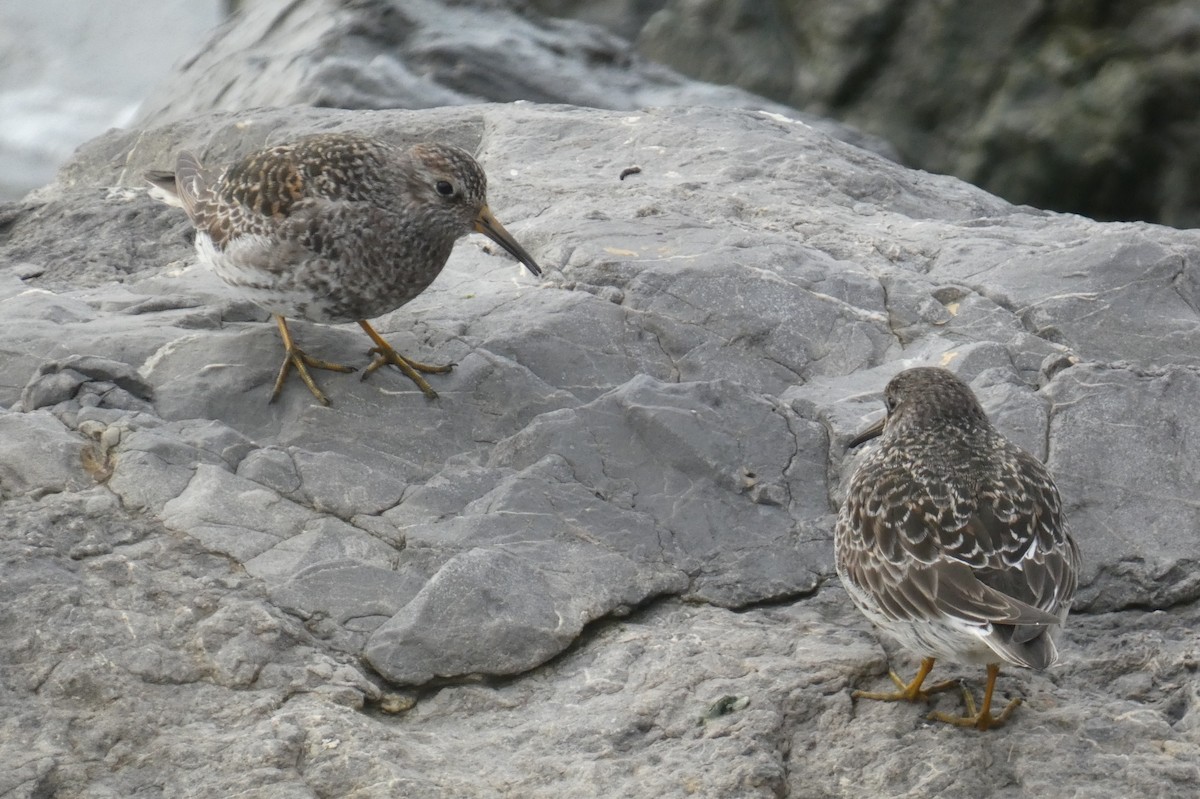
[[1082, 107], [377, 54], [618, 515]]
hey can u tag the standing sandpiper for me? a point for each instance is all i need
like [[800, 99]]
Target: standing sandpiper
[[335, 228], [953, 541]]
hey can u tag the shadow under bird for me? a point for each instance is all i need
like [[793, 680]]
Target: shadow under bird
[[953, 541], [335, 228]]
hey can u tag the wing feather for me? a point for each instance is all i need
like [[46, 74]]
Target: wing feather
[[998, 554]]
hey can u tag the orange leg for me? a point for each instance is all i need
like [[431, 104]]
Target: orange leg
[[981, 719], [298, 358], [911, 691], [385, 354]]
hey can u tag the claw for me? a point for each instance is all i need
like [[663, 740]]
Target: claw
[[385, 354], [298, 358], [981, 718], [910, 691]]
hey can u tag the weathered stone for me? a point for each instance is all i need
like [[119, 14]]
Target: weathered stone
[[617, 513], [375, 54], [39, 456], [1071, 106]]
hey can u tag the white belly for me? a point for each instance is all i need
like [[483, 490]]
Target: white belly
[[250, 264]]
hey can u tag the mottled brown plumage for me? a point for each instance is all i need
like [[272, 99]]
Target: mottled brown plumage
[[952, 539], [336, 228]]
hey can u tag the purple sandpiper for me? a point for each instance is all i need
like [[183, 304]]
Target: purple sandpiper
[[334, 228], [952, 540]]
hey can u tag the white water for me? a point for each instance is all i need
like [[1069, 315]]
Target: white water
[[71, 69]]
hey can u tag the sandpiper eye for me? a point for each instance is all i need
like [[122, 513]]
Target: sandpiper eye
[[444, 188], [891, 403]]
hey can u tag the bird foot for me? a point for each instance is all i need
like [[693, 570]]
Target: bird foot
[[301, 361], [411, 369], [980, 719], [385, 354], [908, 692]]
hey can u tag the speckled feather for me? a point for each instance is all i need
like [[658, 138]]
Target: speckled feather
[[951, 538], [333, 227]]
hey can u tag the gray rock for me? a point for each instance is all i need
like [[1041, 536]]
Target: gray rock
[[39, 456], [1145, 527], [376, 54], [619, 511], [504, 610], [1064, 106], [59, 381]]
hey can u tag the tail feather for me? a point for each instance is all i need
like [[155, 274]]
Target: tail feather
[[1031, 647], [181, 187], [189, 180], [163, 188]]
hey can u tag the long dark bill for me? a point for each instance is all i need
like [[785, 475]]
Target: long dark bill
[[489, 226], [874, 431]]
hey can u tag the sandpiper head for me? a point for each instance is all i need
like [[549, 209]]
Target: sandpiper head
[[925, 397], [453, 187]]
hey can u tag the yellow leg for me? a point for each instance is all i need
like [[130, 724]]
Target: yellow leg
[[298, 358], [911, 691], [981, 719], [385, 354]]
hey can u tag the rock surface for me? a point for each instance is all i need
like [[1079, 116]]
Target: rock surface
[[378, 54], [618, 512], [1083, 107], [601, 563]]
